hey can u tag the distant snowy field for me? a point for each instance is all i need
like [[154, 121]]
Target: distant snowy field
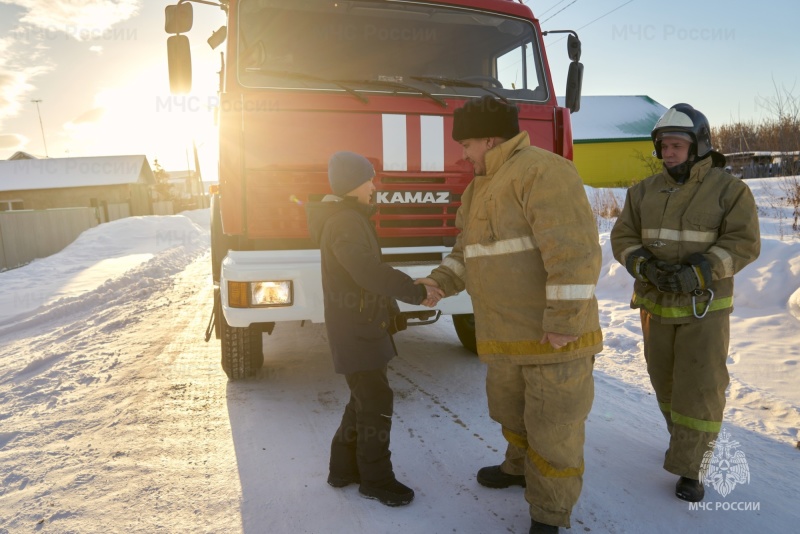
[[77, 404]]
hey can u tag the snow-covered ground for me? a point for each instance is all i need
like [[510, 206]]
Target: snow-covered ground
[[116, 417]]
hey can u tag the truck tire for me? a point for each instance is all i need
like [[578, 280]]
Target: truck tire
[[465, 329], [242, 348]]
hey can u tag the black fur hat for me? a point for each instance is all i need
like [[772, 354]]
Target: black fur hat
[[485, 117]]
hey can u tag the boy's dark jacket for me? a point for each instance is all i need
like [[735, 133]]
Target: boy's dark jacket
[[359, 289]]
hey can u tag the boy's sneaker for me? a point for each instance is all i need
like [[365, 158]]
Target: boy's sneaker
[[342, 481], [493, 477], [392, 493]]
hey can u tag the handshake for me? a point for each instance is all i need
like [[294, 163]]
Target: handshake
[[681, 278], [435, 293]]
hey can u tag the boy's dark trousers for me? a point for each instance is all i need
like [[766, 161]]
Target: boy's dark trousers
[[360, 447]]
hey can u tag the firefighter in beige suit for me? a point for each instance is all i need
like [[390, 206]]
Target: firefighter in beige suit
[[682, 235], [529, 255]]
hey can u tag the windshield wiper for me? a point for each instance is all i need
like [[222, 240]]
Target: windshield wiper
[[311, 78], [455, 82], [399, 85]]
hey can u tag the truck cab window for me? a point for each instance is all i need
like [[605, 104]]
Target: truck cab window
[[304, 44]]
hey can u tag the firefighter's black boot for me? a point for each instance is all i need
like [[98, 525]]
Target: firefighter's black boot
[[689, 489], [493, 477], [541, 528]]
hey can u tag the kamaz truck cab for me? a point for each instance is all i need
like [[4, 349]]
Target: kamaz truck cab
[[302, 79]]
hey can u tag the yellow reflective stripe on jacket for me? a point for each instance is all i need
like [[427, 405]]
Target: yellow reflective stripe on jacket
[[544, 467], [531, 347], [692, 236], [570, 292], [504, 246], [725, 258], [696, 424], [681, 311]]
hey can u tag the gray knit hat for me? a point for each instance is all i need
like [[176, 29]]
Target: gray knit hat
[[348, 170]]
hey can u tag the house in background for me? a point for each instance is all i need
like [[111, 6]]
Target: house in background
[[117, 186], [763, 164], [611, 139]]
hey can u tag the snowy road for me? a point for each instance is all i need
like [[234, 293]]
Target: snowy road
[[119, 423], [116, 417]]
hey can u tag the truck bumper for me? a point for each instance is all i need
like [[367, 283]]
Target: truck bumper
[[302, 267]]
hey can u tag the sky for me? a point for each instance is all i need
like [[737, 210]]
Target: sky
[[99, 68], [112, 405]]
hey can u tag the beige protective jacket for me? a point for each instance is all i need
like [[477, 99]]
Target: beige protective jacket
[[713, 213], [529, 255]]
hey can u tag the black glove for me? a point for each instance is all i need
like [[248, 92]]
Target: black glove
[[686, 278], [643, 266], [682, 280], [397, 323]]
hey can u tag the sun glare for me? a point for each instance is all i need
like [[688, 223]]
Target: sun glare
[[138, 117]]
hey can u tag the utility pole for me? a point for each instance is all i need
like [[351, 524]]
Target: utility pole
[[41, 127]]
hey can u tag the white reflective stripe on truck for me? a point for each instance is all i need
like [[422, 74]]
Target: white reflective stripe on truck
[[395, 143], [432, 139]]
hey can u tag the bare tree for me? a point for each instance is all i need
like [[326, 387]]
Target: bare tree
[[162, 185], [778, 132], [650, 162]]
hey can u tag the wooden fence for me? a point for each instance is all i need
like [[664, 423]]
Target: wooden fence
[[29, 234], [163, 207], [118, 211]]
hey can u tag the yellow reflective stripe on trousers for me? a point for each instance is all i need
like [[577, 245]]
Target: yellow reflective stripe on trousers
[[695, 424], [687, 236], [532, 346], [544, 467], [665, 407], [515, 439], [570, 292], [498, 248], [681, 311]]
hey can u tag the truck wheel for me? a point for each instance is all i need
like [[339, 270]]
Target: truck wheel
[[465, 329], [242, 348]]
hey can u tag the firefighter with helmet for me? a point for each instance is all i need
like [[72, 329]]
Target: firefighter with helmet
[[682, 235]]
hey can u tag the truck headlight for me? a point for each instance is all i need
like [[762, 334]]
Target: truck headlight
[[273, 293], [260, 294]]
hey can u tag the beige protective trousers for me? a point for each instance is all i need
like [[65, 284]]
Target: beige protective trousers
[[543, 410], [687, 364]]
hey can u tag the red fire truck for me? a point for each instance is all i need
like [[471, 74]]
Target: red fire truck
[[302, 79]]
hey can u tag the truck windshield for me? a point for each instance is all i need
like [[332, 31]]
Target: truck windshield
[[419, 48]]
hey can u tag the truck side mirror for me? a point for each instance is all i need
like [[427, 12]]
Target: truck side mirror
[[218, 37], [179, 59], [178, 18], [572, 100], [573, 47]]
